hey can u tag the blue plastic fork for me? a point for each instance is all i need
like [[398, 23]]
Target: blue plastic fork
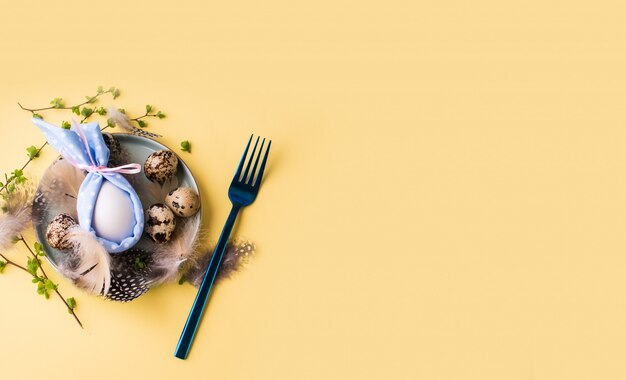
[[242, 192]]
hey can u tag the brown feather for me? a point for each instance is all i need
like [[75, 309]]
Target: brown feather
[[58, 188], [168, 258], [237, 255], [89, 267]]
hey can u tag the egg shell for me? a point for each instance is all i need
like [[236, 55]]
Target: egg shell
[[160, 166], [160, 223], [183, 201], [113, 214], [57, 231]]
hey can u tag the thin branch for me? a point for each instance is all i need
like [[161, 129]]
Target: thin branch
[[89, 101], [142, 116], [9, 180], [13, 263], [43, 272]]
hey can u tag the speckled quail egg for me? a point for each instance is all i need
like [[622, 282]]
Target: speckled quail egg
[[160, 166], [57, 231], [183, 201], [160, 223]]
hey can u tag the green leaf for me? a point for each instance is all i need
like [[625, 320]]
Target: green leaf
[[91, 99], [101, 111], [142, 123], [10, 187], [160, 115], [185, 146], [66, 125], [18, 178], [57, 103], [122, 110], [32, 151], [3, 264], [110, 123], [86, 111], [76, 110], [116, 93], [32, 265], [148, 108], [41, 289], [38, 116], [39, 249], [182, 280], [49, 284], [100, 90], [71, 302]]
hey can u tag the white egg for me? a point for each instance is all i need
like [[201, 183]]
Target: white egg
[[113, 215]]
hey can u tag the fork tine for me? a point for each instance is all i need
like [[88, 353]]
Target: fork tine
[[256, 163], [257, 182], [245, 173], [243, 159]]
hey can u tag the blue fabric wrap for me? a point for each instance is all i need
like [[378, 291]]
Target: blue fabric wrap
[[69, 144]]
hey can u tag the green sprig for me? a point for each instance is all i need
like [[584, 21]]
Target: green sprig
[[149, 113], [45, 286]]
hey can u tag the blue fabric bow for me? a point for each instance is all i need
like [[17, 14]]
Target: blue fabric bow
[[84, 147]]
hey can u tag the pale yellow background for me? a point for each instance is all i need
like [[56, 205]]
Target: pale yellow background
[[446, 197]]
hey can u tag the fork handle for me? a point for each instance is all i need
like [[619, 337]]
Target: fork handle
[[189, 331]]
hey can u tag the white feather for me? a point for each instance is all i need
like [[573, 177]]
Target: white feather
[[18, 206], [10, 227], [59, 187], [153, 192], [167, 258], [91, 262]]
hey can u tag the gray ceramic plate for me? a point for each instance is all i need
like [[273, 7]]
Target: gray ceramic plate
[[136, 149]]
